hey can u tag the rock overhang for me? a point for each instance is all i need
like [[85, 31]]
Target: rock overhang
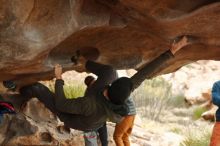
[[36, 34]]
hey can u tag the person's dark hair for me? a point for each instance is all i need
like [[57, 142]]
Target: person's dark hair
[[120, 90], [88, 80]]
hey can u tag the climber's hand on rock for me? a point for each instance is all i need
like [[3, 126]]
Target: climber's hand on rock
[[176, 46], [58, 71]]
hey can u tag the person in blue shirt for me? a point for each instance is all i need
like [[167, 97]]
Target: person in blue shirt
[[215, 138]]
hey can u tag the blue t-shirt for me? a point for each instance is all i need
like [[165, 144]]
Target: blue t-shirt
[[216, 98]]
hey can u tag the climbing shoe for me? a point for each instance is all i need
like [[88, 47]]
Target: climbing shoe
[[9, 84]]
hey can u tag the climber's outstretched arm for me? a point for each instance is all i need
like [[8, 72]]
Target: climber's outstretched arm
[[148, 70]]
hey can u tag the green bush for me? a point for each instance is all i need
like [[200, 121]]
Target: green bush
[[152, 97], [70, 91], [177, 101], [197, 112], [73, 91]]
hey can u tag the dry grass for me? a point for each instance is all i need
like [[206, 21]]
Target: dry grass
[[163, 112]]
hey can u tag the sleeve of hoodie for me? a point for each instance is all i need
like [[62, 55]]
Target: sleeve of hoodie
[[72, 106], [216, 93], [151, 68], [105, 73]]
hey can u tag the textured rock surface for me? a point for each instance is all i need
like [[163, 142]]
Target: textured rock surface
[[35, 125], [35, 34]]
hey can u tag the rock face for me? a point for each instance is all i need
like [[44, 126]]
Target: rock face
[[35, 34], [36, 127]]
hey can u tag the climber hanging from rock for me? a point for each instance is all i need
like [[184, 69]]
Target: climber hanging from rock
[[106, 98]]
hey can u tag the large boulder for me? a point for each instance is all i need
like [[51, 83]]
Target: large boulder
[[36, 34]]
